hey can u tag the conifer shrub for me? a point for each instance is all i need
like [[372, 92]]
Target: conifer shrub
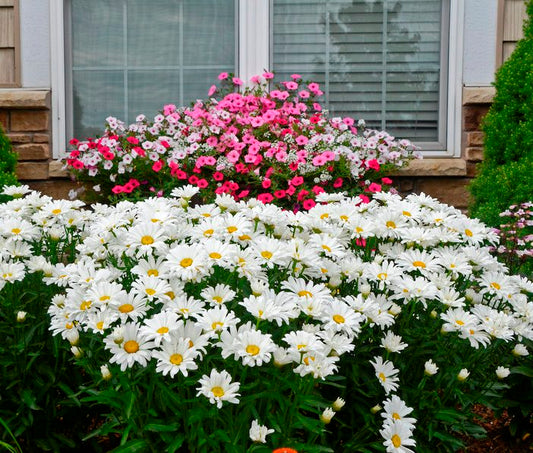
[[8, 161], [504, 177]]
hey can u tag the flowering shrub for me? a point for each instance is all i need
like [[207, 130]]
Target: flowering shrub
[[238, 326], [278, 146], [516, 237]]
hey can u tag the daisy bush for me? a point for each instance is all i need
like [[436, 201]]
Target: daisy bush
[[239, 326], [277, 145]]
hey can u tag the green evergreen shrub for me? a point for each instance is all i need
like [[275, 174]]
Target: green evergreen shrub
[[504, 177], [8, 161]]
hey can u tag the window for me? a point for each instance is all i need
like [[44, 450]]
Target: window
[[380, 60], [390, 62], [126, 57]]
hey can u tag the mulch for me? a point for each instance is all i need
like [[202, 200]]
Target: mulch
[[499, 439]]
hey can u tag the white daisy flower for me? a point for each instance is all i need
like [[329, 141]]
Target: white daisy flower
[[386, 374], [259, 432], [175, 356], [219, 388], [133, 348]]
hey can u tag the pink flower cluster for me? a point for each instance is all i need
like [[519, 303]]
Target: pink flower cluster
[[276, 145]]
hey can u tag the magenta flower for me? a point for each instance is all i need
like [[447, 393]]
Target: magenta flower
[[223, 76]]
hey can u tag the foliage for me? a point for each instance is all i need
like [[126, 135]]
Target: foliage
[[277, 145], [395, 305], [8, 161], [504, 176]]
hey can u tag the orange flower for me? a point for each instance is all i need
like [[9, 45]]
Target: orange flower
[[284, 450]]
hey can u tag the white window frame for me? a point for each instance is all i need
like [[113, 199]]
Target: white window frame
[[254, 18]]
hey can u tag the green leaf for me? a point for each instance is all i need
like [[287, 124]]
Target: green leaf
[[29, 400], [133, 446], [159, 428]]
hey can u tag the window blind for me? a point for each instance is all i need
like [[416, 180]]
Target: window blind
[[377, 60], [133, 56]]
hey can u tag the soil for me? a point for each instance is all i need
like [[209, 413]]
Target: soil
[[499, 439]]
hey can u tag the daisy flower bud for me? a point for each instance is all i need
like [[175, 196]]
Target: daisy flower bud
[[338, 404], [520, 350], [327, 415], [502, 372], [259, 432], [73, 336], [106, 374], [430, 368], [21, 316], [76, 351], [375, 409], [463, 374]]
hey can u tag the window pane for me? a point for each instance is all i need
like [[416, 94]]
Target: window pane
[[379, 60], [134, 56]]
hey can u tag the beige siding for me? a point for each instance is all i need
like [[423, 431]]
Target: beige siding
[[513, 15], [9, 43]]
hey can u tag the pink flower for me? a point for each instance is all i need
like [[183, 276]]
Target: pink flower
[[268, 75], [193, 179], [256, 121], [364, 199], [296, 181], [202, 183], [291, 85], [386, 180], [317, 106], [302, 194], [233, 156], [133, 140], [279, 194], [117, 189], [212, 141], [223, 76], [212, 90], [237, 81], [302, 140], [337, 183], [168, 109], [266, 183], [373, 164], [314, 87], [77, 164], [265, 197], [348, 121], [255, 79], [317, 190], [295, 76], [180, 174], [217, 176], [157, 166], [319, 160], [373, 187], [308, 204], [304, 94]]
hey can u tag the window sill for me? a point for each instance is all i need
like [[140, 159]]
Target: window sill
[[434, 167]]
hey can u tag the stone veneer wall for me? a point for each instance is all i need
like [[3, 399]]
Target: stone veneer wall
[[25, 115]]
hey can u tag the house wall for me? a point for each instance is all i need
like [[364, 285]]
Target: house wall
[[26, 110]]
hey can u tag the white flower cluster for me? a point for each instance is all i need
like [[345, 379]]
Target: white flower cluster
[[161, 281]]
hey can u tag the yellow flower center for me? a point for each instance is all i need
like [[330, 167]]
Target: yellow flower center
[[324, 270], [231, 229], [100, 325], [419, 264], [56, 211], [252, 349], [382, 275], [459, 322], [382, 377], [469, 233], [176, 359], [266, 254], [304, 293], [344, 217], [191, 344], [150, 291], [215, 255], [153, 273], [104, 298], [206, 214], [338, 319], [217, 391], [186, 262], [301, 346], [216, 325], [396, 416], [85, 305], [358, 230], [324, 216], [162, 330], [244, 237], [131, 347], [69, 325], [326, 248], [170, 295], [307, 359], [125, 308], [154, 220], [495, 285], [406, 213], [390, 224], [147, 240], [217, 299], [209, 232], [396, 441], [16, 230]]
